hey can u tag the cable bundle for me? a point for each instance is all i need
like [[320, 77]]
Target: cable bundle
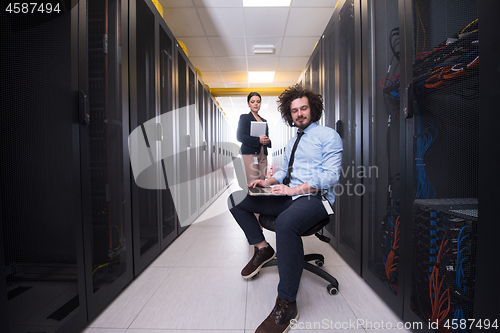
[[450, 60], [425, 138]]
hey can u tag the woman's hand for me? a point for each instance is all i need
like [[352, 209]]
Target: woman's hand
[[264, 139]]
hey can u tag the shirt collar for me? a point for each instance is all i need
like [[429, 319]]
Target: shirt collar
[[309, 128]]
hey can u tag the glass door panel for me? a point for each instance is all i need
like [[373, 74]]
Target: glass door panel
[[350, 189], [383, 150], [145, 201], [40, 194], [168, 133], [103, 150]]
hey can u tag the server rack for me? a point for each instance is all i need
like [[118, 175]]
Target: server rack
[[143, 99], [168, 142], [43, 277], [76, 227], [442, 160], [105, 166], [341, 79], [486, 287], [152, 110], [330, 95], [418, 125], [382, 222]]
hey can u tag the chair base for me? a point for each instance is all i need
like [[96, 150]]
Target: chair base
[[319, 259]]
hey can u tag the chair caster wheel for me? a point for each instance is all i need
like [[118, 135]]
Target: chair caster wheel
[[332, 290], [319, 263]]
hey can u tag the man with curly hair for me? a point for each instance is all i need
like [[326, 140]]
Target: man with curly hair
[[311, 168]]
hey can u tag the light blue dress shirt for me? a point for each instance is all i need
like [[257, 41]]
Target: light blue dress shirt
[[317, 160]]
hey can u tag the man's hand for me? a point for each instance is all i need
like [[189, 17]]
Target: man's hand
[[283, 190], [259, 183], [263, 183], [291, 191]]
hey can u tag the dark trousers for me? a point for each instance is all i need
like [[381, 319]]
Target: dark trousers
[[293, 219]]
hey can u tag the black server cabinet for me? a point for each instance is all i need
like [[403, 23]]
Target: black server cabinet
[[105, 161], [342, 81], [442, 161], [40, 188], [487, 292], [213, 148], [154, 221], [330, 95], [382, 224], [187, 140], [145, 202], [166, 87], [193, 143], [207, 102], [203, 151]]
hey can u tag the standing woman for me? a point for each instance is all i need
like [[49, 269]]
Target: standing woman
[[253, 148]]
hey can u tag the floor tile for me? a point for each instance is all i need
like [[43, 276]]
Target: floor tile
[[367, 306], [122, 311], [182, 331], [195, 286], [196, 298], [104, 330]]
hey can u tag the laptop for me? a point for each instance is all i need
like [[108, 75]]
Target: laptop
[[255, 191], [242, 181]]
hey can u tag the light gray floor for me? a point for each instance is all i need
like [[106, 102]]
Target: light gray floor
[[195, 286]]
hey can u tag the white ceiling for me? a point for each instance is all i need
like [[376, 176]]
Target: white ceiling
[[219, 36]]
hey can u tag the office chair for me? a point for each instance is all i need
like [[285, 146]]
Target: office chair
[[268, 222]]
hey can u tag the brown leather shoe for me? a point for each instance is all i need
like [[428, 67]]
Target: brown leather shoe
[[260, 257], [283, 316]]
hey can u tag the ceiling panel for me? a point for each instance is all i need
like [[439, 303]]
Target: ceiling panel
[[232, 64], [298, 46], [217, 3], [291, 63], [269, 22], [176, 3], [197, 46], [235, 77], [220, 34], [286, 78], [205, 64], [176, 19], [262, 63], [228, 46], [222, 21], [328, 4], [211, 77], [308, 21]]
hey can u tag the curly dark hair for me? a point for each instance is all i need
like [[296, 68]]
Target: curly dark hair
[[292, 93]]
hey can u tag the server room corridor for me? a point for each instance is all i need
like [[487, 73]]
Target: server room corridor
[[195, 286]]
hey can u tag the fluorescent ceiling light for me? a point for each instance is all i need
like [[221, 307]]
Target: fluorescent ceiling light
[[264, 49], [266, 3], [260, 77]]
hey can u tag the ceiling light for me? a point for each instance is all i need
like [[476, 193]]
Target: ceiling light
[[266, 3], [264, 49], [260, 77]]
